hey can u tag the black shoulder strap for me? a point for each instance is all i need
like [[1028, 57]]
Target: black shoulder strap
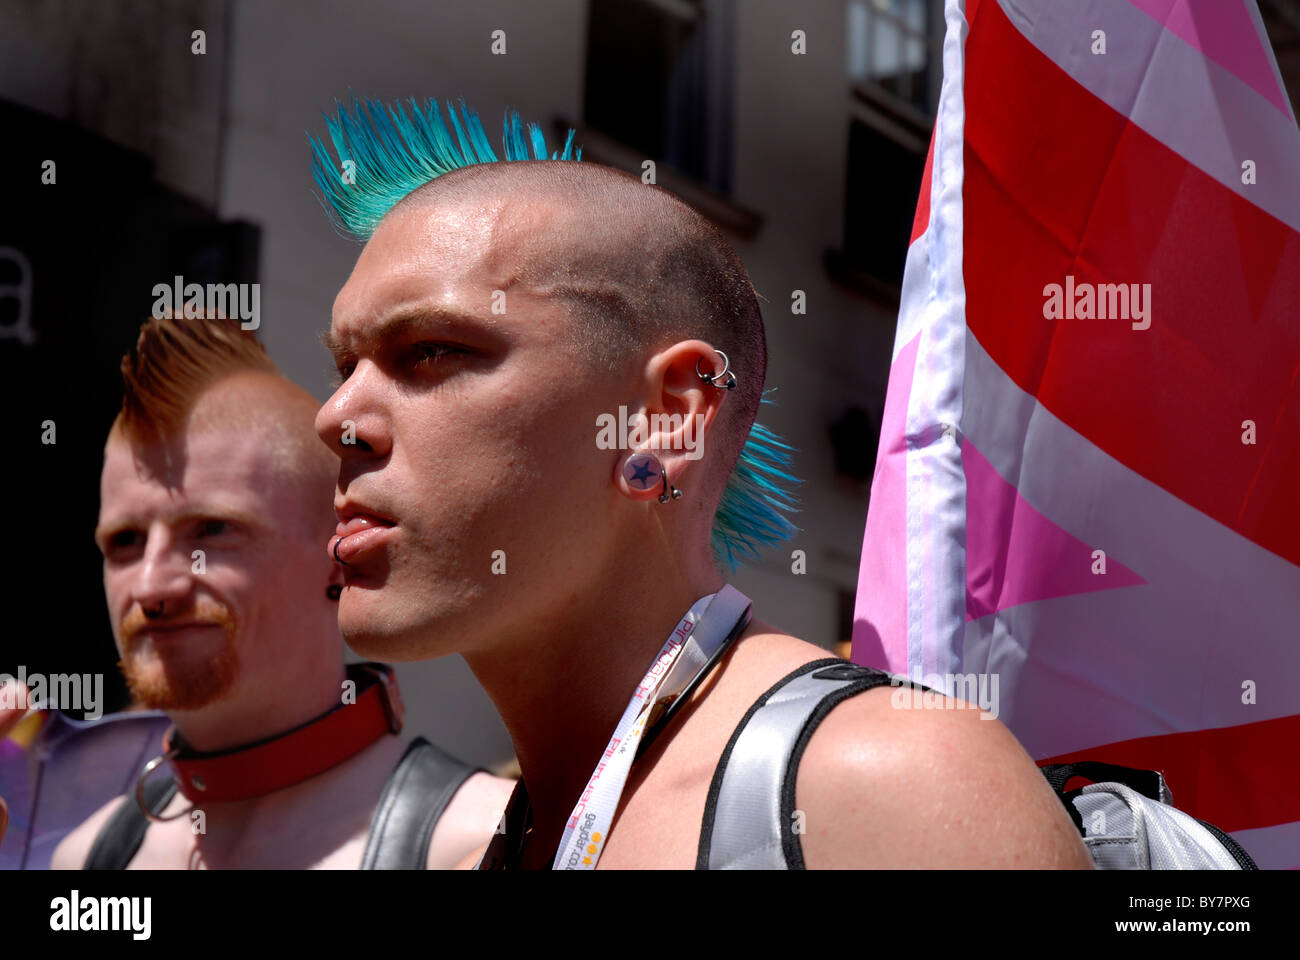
[[1149, 783], [749, 811], [414, 799], [119, 839]]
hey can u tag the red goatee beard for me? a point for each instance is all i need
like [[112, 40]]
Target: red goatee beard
[[168, 675]]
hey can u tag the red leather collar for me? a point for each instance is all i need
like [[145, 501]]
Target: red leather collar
[[296, 755]]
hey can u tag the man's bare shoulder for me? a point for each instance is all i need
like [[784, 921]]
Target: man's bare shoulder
[[766, 654], [887, 782], [73, 849], [469, 822]]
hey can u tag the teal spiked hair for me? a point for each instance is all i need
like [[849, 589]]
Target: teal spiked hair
[[395, 149], [387, 151]]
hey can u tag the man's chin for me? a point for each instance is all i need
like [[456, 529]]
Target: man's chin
[[157, 690], [180, 683], [379, 631], [389, 647]]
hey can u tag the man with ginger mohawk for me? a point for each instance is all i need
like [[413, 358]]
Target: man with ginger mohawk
[[215, 506]]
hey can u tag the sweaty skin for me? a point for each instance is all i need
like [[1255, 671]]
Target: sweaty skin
[[475, 441], [232, 487]]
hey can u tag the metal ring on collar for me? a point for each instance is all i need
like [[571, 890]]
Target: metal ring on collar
[[149, 768]]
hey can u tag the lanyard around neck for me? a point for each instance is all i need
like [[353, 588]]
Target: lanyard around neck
[[694, 646]]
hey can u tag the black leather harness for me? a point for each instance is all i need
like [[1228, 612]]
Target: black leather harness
[[413, 800]]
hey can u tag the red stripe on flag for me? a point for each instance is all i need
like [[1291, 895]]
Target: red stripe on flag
[[1057, 183], [1237, 778], [922, 220]]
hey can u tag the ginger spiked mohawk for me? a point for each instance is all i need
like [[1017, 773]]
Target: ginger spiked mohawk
[[387, 151]]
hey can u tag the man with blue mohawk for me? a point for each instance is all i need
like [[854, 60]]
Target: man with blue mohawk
[[503, 314]]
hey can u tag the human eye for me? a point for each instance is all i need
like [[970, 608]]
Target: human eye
[[121, 543], [425, 354], [212, 527], [217, 530], [343, 372]]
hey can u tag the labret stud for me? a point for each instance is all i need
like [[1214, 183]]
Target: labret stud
[[643, 470]]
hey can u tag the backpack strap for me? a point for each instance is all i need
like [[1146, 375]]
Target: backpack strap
[[414, 799], [749, 812], [1149, 783], [1128, 831], [1141, 835], [120, 837]]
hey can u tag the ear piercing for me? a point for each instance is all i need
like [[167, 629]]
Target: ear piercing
[[676, 494], [333, 591], [643, 470], [730, 381]]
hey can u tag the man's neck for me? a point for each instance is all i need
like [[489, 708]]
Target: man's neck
[[252, 716], [296, 827], [332, 800], [562, 686]]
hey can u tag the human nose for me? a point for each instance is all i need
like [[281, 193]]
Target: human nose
[[352, 421], [165, 573]]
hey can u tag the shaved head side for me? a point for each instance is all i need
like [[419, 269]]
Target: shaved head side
[[273, 411], [638, 269], [190, 375]]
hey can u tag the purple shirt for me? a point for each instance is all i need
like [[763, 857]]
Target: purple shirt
[[72, 769]]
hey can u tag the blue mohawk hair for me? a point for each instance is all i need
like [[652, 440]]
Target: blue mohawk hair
[[387, 151], [754, 502]]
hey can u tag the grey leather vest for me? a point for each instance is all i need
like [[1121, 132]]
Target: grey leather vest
[[749, 814]]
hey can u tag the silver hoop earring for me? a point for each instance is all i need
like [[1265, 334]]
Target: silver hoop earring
[[714, 378], [664, 497]]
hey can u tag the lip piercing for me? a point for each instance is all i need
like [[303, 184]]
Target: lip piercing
[[336, 553], [714, 378], [676, 494]]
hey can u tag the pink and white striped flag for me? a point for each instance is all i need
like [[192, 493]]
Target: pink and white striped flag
[[1088, 480]]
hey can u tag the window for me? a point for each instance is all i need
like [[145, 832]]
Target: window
[[659, 80], [887, 43], [884, 180], [894, 72]]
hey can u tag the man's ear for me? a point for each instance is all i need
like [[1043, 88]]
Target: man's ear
[[686, 403]]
